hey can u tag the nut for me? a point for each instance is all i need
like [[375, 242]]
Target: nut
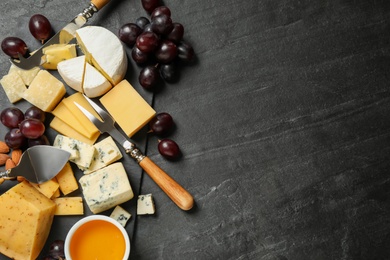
[[20, 178], [16, 154], [9, 164], [4, 148], [3, 158]]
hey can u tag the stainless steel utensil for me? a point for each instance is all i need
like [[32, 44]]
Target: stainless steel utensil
[[39, 163], [175, 192], [65, 35]]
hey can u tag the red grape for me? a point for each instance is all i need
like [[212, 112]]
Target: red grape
[[11, 117], [15, 139], [142, 22], [149, 77], [14, 45], [128, 33], [169, 149], [185, 51], [56, 249], [40, 27], [162, 124], [42, 140], [169, 72], [176, 35], [150, 5], [32, 128], [138, 56], [35, 112], [166, 51], [147, 41], [162, 24], [160, 10]]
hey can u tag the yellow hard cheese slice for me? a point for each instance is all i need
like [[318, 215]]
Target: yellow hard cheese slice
[[45, 91], [48, 188], [66, 130], [104, 51], [66, 180], [13, 86], [69, 206], [54, 54], [26, 217], [127, 107], [26, 75]]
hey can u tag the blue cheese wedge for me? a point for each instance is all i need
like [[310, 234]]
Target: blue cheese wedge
[[120, 215], [145, 204], [106, 188], [81, 153], [106, 152]]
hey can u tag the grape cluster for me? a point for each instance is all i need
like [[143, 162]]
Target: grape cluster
[[39, 27], [25, 129], [157, 45], [162, 125]]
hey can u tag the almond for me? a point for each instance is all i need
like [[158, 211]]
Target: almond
[[3, 158], [20, 178], [9, 164], [15, 155], [2, 180], [4, 148]]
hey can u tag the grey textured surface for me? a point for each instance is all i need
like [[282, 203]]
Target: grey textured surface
[[283, 123]]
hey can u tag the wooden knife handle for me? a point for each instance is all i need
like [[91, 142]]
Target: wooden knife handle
[[100, 3], [177, 193]]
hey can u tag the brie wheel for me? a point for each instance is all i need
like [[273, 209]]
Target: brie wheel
[[104, 51]]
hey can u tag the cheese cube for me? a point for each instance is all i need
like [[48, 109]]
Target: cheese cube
[[26, 75], [26, 217], [69, 206], [56, 53], [106, 152], [45, 91], [66, 130], [48, 188], [13, 86], [127, 107], [145, 204], [81, 153], [120, 215], [67, 180], [106, 188]]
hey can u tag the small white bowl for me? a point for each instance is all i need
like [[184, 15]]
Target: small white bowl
[[89, 219]]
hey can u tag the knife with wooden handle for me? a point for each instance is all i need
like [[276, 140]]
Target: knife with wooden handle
[[65, 35]]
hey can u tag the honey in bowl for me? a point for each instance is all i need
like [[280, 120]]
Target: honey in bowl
[[97, 237]]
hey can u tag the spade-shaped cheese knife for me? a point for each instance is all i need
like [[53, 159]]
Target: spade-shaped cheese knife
[[65, 35]]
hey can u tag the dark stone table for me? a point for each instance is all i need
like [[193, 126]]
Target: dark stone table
[[283, 121]]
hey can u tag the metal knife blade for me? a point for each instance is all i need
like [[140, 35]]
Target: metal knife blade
[[65, 35]]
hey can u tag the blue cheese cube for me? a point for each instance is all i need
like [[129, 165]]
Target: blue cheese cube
[[81, 153], [120, 215], [106, 188], [145, 204], [106, 152]]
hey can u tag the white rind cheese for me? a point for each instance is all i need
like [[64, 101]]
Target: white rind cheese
[[106, 188], [104, 51], [94, 84], [72, 72], [145, 204], [120, 215]]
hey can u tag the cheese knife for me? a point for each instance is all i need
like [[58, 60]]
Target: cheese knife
[[175, 191], [65, 35]]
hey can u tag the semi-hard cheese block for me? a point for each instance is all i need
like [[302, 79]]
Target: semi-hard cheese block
[[25, 221], [81, 153], [69, 206], [120, 215], [106, 152], [13, 86], [55, 53], [104, 51], [127, 107], [106, 188], [26, 75], [145, 204], [72, 72], [66, 180], [45, 91], [66, 130]]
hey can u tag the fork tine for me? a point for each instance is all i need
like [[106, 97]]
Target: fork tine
[[103, 114]]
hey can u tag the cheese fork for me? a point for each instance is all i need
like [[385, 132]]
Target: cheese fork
[[175, 191]]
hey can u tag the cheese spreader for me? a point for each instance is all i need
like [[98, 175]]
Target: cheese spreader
[[65, 35], [39, 163], [175, 191]]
